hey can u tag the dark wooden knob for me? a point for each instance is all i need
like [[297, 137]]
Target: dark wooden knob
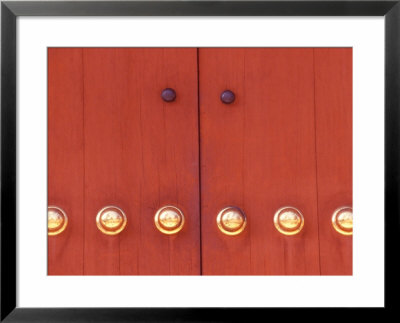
[[168, 95], [227, 97]]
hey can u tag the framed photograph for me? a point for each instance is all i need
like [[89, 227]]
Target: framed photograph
[[197, 160]]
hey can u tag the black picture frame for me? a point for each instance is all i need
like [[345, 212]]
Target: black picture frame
[[10, 10]]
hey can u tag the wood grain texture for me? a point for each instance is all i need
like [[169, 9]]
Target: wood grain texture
[[333, 102], [285, 141], [141, 153], [65, 157], [258, 154]]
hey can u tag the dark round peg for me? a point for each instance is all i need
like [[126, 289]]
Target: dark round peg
[[168, 95], [227, 97]]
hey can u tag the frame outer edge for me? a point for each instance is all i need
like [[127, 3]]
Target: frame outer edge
[[392, 152], [203, 8], [8, 162], [9, 12]]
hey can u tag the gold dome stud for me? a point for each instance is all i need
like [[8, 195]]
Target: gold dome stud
[[169, 219], [57, 220], [288, 220], [111, 220], [342, 220], [231, 220]]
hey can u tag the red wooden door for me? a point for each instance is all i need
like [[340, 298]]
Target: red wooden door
[[285, 141], [140, 153], [275, 146]]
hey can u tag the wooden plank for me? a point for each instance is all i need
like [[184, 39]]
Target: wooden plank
[[141, 153], [65, 157], [333, 101], [258, 154]]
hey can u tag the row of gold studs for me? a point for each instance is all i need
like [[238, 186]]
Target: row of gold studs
[[231, 220]]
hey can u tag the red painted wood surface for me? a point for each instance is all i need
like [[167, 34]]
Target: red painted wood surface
[[259, 155], [333, 102], [141, 153], [285, 141], [65, 157]]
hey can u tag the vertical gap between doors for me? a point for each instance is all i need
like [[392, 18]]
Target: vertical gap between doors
[[199, 156]]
